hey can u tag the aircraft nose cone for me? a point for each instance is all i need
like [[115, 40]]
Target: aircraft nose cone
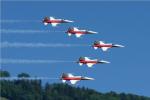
[[103, 61], [93, 32], [69, 21], [88, 78], [119, 45]]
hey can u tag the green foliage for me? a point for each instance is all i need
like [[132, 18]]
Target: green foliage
[[21, 89], [23, 75], [2, 98], [4, 74], [33, 90]]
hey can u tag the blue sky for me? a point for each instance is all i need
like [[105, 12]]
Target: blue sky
[[126, 23]]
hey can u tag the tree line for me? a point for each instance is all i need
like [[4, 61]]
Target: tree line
[[34, 90]]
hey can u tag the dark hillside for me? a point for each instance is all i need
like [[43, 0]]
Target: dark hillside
[[33, 90]]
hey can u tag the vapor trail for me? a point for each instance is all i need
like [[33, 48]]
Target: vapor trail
[[37, 45], [6, 31], [31, 61], [17, 21], [28, 78], [37, 0]]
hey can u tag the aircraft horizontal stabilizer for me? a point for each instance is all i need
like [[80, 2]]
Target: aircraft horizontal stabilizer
[[69, 34], [63, 81], [95, 48], [80, 64], [45, 23]]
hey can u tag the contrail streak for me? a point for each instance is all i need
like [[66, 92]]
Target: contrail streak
[[31, 61], [65, 0], [17, 21], [37, 45], [28, 78], [6, 31]]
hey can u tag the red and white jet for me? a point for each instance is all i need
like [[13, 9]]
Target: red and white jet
[[78, 33], [90, 62], [54, 22], [73, 79], [105, 46]]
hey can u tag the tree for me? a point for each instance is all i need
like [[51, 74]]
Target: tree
[[23, 75], [33, 90], [4, 74]]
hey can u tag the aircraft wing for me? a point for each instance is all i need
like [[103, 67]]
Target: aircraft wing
[[90, 64], [74, 81], [54, 24], [105, 48], [78, 35]]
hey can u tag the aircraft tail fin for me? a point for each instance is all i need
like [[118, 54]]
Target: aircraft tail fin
[[52, 18], [101, 42], [75, 29], [70, 75]]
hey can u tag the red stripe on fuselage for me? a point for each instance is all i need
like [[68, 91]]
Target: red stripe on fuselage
[[76, 32], [85, 62], [71, 78], [54, 21], [103, 45]]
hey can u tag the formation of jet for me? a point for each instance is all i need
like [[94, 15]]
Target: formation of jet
[[82, 60], [105, 46], [90, 62], [54, 22], [78, 33], [73, 79]]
